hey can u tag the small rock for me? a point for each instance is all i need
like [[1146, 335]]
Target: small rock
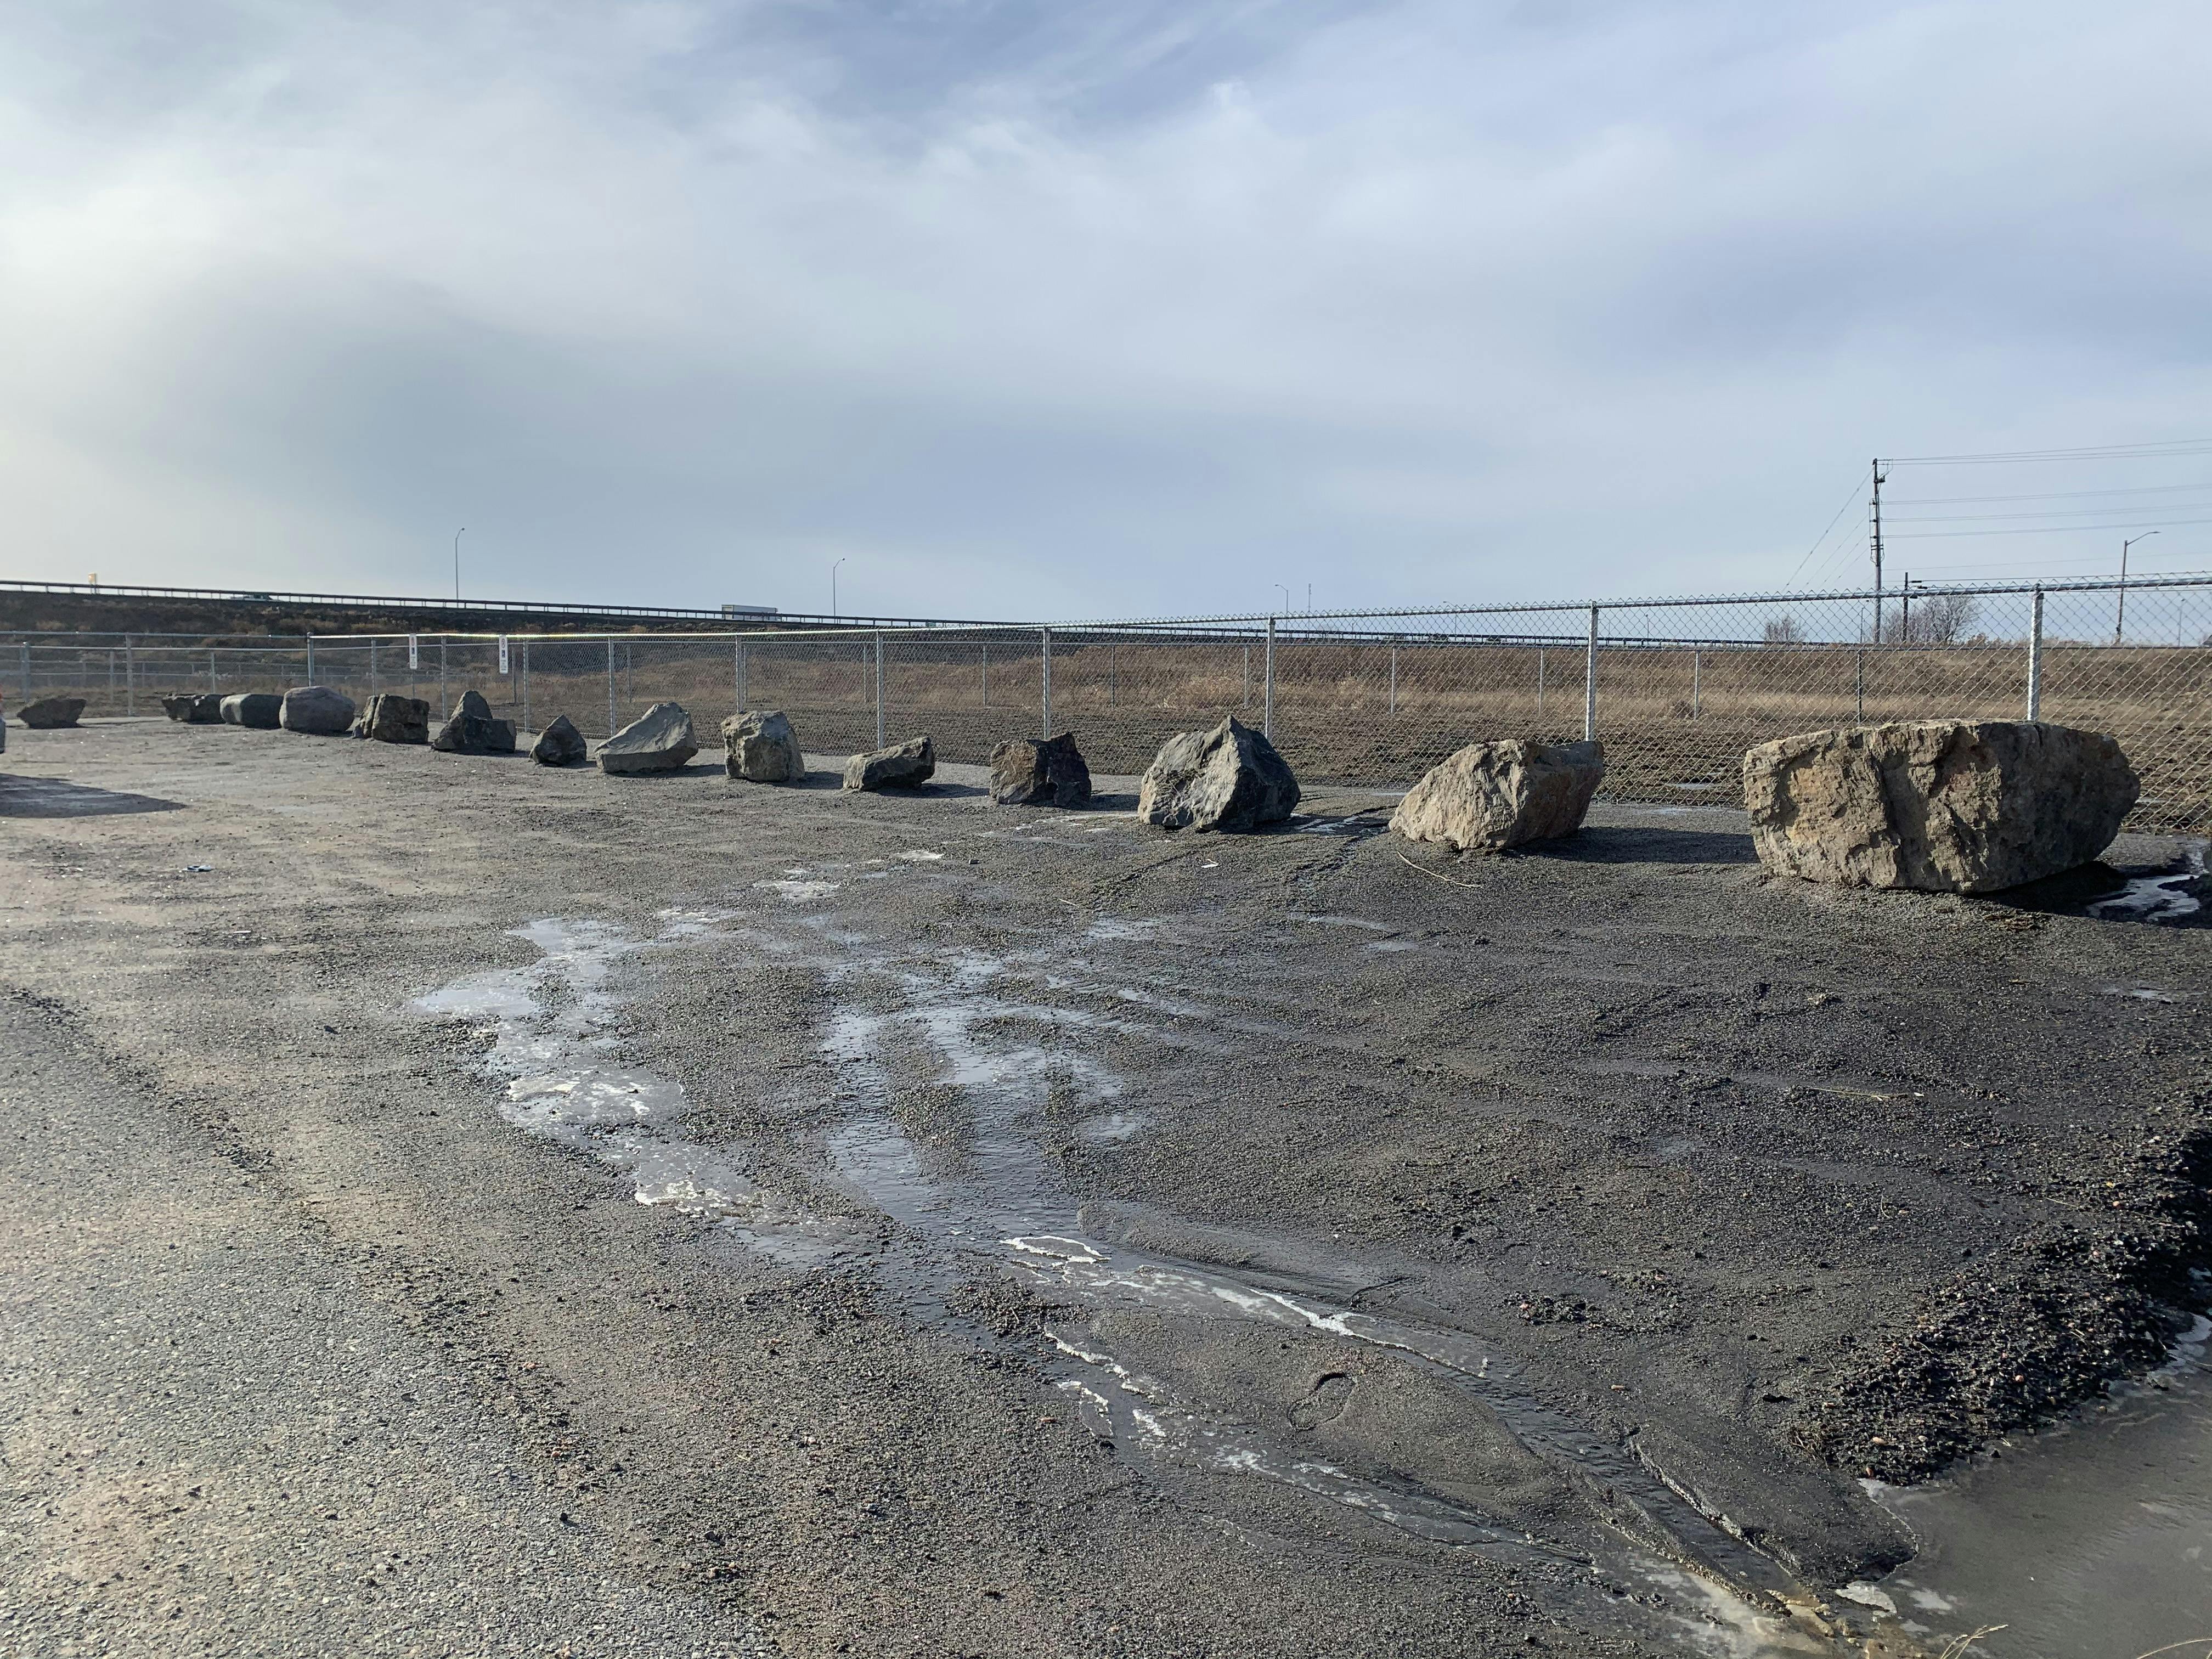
[[1229, 778], [906, 765], [1025, 772], [763, 748], [260, 709], [1490, 796], [659, 740], [559, 744], [390, 718], [471, 729], [47, 713], [314, 709], [1936, 806]]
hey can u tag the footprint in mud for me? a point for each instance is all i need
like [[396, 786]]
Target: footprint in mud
[[1330, 1393]]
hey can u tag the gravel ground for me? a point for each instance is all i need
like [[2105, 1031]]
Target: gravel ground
[[1741, 1189]]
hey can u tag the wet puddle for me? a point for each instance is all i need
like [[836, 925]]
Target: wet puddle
[[1662, 1569], [2095, 1538]]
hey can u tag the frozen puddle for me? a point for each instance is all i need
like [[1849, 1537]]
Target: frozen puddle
[[552, 1021], [2173, 897], [993, 1198]]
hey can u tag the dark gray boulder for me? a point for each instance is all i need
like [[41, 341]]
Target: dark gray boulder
[[261, 710], [906, 765], [762, 747], [1229, 778], [472, 729], [47, 713], [314, 709], [559, 744], [390, 718], [194, 707], [659, 740], [1033, 772]]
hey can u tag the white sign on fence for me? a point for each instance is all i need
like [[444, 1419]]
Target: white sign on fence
[[414, 651], [502, 654]]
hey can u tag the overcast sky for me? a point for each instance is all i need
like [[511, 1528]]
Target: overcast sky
[[1039, 308]]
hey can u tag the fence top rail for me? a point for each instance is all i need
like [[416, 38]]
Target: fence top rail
[[1863, 596]]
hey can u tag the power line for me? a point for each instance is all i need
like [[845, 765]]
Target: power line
[[2046, 530], [2055, 495], [1825, 534], [2097, 452], [2125, 514]]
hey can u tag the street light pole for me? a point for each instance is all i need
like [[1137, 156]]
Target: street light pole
[[2120, 620], [833, 588], [457, 534]]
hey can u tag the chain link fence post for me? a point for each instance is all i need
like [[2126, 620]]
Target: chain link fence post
[[2035, 657], [879, 688], [129, 676], [737, 650], [525, 685], [1589, 683], [311, 658], [1044, 677], [1267, 687], [611, 686], [1394, 676], [27, 672]]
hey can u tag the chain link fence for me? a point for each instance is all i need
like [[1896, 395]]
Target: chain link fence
[[1676, 690]]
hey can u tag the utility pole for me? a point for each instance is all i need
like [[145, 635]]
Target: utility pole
[[457, 534], [2121, 620], [1878, 475]]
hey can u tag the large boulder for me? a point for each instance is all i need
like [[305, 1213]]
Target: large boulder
[[906, 765], [314, 709], [390, 718], [258, 709], [1229, 778], [1030, 772], [49, 712], [471, 729], [1940, 806], [559, 744], [763, 748], [659, 740], [1490, 796], [194, 707]]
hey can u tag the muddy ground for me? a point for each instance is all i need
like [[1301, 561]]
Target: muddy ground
[[1062, 1236]]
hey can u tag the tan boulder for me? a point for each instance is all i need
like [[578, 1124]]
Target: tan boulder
[[1490, 796], [1938, 806]]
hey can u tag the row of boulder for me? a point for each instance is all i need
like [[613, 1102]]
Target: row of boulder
[[1939, 807], [1969, 806]]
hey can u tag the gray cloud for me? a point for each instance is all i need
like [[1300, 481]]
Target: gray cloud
[[1048, 310]]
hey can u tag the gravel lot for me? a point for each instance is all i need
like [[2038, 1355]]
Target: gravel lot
[[1069, 1238]]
